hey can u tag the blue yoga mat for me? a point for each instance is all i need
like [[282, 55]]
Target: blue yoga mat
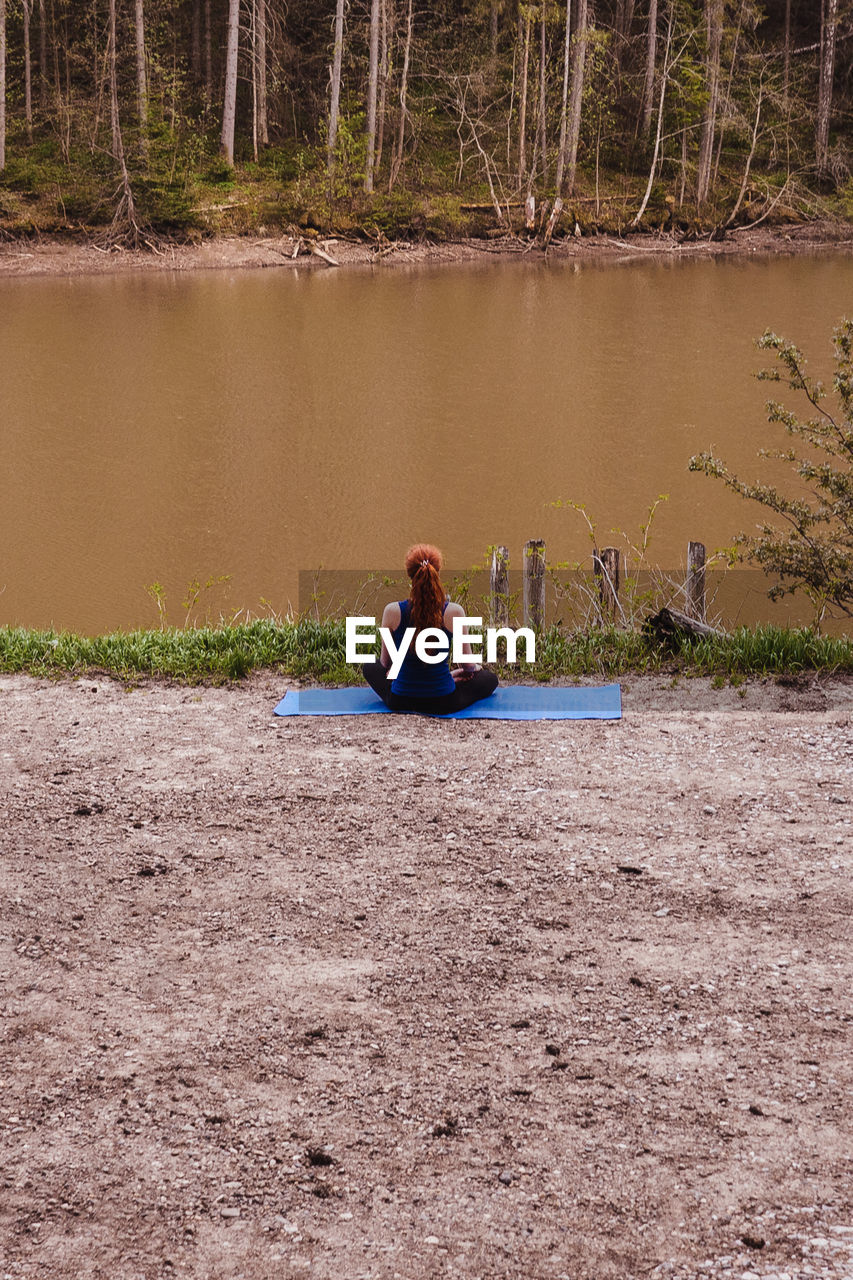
[[509, 702]]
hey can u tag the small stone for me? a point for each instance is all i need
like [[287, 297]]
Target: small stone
[[710, 810], [229, 1213], [506, 1177], [431, 1240]]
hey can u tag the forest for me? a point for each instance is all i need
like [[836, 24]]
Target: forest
[[402, 117]]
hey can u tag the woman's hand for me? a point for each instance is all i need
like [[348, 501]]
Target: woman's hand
[[464, 673]]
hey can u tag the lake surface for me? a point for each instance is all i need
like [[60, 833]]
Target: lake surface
[[165, 428]]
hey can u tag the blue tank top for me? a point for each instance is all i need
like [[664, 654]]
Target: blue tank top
[[420, 679]]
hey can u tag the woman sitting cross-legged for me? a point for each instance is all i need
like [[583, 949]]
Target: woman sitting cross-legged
[[429, 687]]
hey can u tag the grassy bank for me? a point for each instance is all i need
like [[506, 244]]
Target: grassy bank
[[315, 651], [185, 193]]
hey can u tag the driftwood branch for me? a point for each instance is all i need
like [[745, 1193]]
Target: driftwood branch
[[321, 253]]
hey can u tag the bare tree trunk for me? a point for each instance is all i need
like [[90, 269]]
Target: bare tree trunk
[[253, 44], [723, 115], [561, 154], [786, 57], [57, 78], [714, 26], [397, 160], [195, 41], [141, 78], [125, 227], [543, 140], [522, 110], [43, 72], [263, 110], [651, 58], [664, 80], [28, 69], [828, 25], [229, 104], [115, 126], [2, 85], [372, 86], [337, 59], [683, 185], [384, 72], [67, 112], [581, 28], [493, 30], [208, 54]]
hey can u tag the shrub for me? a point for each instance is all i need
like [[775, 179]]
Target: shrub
[[813, 551]]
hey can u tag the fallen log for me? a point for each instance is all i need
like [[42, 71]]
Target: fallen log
[[671, 624], [489, 207], [321, 253]]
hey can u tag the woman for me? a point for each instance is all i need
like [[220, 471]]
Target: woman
[[432, 688]]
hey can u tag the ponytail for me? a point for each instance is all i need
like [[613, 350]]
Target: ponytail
[[423, 565]]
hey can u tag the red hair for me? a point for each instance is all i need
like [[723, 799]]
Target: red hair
[[423, 565]]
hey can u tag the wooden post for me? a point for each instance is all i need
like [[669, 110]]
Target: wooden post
[[695, 584], [499, 587], [530, 213], [534, 584], [605, 565]]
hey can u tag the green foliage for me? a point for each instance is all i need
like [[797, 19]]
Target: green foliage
[[813, 550], [165, 206], [316, 651], [218, 173]]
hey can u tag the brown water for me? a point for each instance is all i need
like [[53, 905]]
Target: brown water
[[163, 428]]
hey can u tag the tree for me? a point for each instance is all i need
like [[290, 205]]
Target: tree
[[567, 48], [580, 42], [372, 88], [125, 226], [542, 135], [2, 85], [714, 35], [260, 64], [229, 105], [668, 64], [335, 76], [522, 110], [115, 121], [141, 76], [27, 6], [397, 157], [813, 551], [828, 25], [651, 58]]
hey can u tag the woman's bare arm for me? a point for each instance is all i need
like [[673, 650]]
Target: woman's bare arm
[[390, 620], [470, 662]]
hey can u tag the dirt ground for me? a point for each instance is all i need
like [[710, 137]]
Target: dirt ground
[[398, 997], [54, 257]]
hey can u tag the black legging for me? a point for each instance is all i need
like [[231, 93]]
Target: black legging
[[479, 685]]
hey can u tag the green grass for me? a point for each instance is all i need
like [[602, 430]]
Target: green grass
[[315, 651]]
